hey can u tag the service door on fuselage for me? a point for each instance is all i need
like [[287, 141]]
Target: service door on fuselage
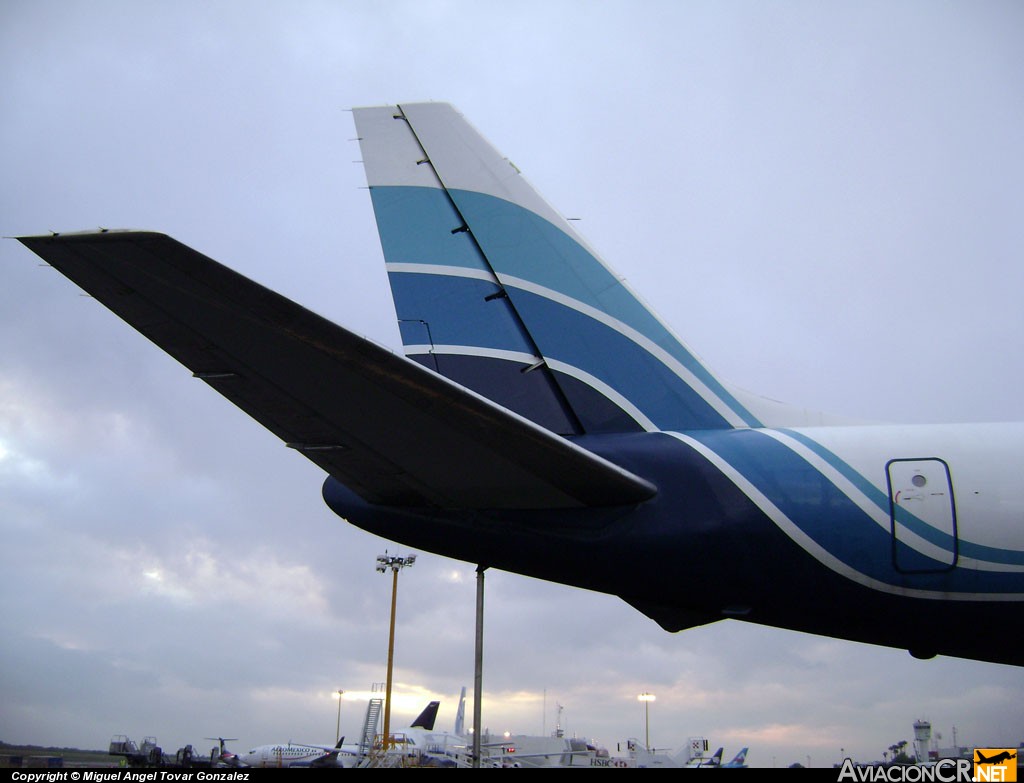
[[922, 512]]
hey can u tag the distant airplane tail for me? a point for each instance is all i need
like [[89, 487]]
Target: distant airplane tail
[[425, 720], [460, 715], [496, 291], [739, 760]]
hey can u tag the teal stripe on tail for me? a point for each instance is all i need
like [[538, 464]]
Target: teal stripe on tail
[[495, 290]]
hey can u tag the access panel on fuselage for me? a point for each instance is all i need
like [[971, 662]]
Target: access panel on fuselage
[[922, 511]]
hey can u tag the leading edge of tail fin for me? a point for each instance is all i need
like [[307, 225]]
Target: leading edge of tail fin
[[495, 290]]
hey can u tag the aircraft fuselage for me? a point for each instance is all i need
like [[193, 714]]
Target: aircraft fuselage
[[828, 530]]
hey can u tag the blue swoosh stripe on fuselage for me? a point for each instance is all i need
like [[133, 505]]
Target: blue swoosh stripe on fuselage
[[835, 522], [914, 524]]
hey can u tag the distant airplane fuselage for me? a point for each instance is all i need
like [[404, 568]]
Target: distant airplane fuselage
[[291, 754]]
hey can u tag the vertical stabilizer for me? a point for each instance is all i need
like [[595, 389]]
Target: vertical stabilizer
[[739, 760], [425, 720], [495, 290], [460, 716]]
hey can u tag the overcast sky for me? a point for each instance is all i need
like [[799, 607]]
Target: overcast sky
[[824, 199]]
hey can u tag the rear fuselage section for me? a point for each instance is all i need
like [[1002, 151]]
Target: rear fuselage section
[[904, 536]]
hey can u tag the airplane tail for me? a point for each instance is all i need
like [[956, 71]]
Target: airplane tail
[[496, 291], [460, 716], [425, 720], [740, 759]]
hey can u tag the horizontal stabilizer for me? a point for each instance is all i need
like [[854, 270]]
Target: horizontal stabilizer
[[394, 432]]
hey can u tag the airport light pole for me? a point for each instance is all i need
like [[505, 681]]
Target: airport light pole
[[396, 564], [337, 730], [478, 665], [647, 698]]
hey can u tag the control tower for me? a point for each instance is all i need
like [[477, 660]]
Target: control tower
[[922, 739]]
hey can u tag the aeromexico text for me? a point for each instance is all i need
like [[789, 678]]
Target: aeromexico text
[[942, 771]]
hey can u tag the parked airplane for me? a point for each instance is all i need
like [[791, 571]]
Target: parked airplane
[[546, 422], [738, 761], [292, 754], [220, 756], [441, 746]]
